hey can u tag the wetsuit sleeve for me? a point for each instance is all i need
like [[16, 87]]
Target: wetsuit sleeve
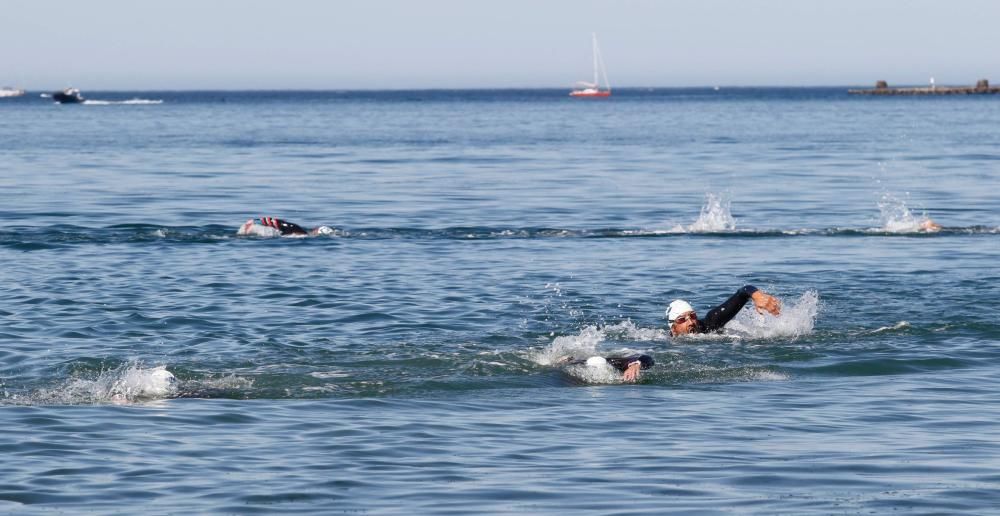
[[722, 314], [285, 227], [621, 363]]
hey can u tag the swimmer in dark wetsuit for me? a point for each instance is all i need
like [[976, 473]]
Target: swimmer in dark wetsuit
[[684, 320], [629, 365], [271, 226]]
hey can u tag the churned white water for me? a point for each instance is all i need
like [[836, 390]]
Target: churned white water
[[131, 382], [715, 215], [896, 217]]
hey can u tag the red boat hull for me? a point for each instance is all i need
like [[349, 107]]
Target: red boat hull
[[596, 94]]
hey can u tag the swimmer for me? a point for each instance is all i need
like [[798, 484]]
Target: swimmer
[[930, 226], [629, 365], [683, 319], [271, 227]]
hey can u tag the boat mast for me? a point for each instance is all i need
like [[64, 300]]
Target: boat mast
[[593, 35], [604, 70]]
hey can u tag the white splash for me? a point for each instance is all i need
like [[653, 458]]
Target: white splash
[[901, 325], [127, 384], [627, 330], [797, 318], [896, 217], [251, 228], [579, 345], [137, 383], [131, 102], [585, 343], [769, 376], [597, 373], [715, 216]]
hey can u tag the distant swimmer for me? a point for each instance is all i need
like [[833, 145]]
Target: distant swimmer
[[930, 226], [273, 227], [683, 319], [629, 365]]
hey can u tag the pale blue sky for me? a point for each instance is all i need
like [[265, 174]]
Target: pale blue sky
[[311, 44]]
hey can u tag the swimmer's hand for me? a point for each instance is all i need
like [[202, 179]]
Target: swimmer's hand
[[632, 372], [765, 302]]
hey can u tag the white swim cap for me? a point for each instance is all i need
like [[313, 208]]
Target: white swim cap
[[596, 361], [677, 308]]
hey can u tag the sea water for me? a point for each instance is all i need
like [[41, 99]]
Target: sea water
[[409, 360]]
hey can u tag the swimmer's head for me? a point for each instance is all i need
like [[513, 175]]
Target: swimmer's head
[[681, 317], [677, 308]]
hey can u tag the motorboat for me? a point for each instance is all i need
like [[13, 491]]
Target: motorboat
[[10, 92], [68, 96]]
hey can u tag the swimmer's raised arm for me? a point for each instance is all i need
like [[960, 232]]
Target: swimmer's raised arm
[[683, 320]]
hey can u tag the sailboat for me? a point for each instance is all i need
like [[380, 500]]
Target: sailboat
[[593, 89]]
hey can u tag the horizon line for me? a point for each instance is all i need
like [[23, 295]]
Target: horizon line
[[477, 88]]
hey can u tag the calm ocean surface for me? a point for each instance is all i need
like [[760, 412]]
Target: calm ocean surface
[[405, 364]]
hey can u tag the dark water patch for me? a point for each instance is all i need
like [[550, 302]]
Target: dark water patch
[[978, 157], [505, 160], [282, 499], [28, 246], [888, 366], [367, 318], [271, 141], [143, 472], [28, 496], [199, 323], [72, 334], [230, 418], [63, 472]]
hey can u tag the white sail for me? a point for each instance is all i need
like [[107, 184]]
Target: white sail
[[594, 89], [599, 64]]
